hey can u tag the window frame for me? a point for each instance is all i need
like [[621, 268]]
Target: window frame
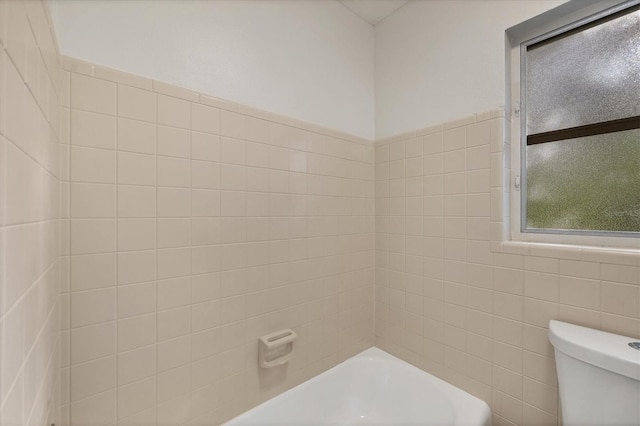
[[566, 17]]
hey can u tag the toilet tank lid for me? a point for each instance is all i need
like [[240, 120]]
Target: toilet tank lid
[[605, 350]]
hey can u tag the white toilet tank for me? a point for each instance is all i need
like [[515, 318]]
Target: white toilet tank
[[598, 375]]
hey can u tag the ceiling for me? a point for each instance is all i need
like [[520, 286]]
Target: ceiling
[[373, 11]]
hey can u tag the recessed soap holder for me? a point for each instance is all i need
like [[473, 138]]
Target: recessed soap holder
[[276, 348]]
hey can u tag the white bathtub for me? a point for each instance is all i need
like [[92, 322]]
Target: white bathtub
[[373, 387]]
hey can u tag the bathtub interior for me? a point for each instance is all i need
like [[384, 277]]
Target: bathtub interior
[[372, 387]]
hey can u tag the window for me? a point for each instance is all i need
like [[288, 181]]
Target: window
[[579, 127]]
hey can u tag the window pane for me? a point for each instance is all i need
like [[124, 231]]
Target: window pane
[[590, 183], [587, 77]]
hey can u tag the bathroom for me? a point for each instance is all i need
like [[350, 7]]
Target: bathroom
[[180, 178]]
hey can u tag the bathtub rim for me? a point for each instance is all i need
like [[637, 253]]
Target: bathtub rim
[[469, 409]]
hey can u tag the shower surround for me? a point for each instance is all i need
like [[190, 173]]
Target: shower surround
[[192, 226]]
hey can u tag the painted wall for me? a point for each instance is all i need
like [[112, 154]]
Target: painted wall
[[440, 60], [30, 268], [310, 60]]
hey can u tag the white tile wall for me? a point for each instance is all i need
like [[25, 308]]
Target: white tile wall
[[30, 94]]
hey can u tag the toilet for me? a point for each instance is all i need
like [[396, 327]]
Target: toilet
[[598, 375]]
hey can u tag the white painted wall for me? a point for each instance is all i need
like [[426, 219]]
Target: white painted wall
[[441, 60], [307, 59]]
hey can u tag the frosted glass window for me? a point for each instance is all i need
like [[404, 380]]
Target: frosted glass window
[[589, 76], [590, 183], [582, 128]]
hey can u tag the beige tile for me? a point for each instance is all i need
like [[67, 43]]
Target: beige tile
[[93, 236], [174, 202], [534, 416], [98, 409], [14, 181], [579, 292], [205, 231], [205, 287], [538, 312], [136, 332], [508, 305], [93, 342], [507, 406], [136, 136], [540, 368], [136, 364], [174, 232], [136, 267], [136, 299], [174, 142], [176, 91], [624, 326], [233, 151], [174, 112], [232, 124], [92, 165], [257, 154], [174, 292], [205, 259], [205, 315], [92, 271], [173, 353], [136, 201], [454, 139], [621, 273], [507, 381], [478, 181], [173, 383], [541, 396], [174, 172], [136, 103], [205, 146], [92, 94], [541, 286], [507, 331], [286, 136], [579, 269], [14, 126], [234, 178], [205, 175], [259, 130], [205, 119], [137, 169], [175, 411], [93, 307], [508, 280], [136, 397], [92, 378], [136, 234], [479, 134], [93, 200], [205, 203], [122, 77], [507, 356], [621, 299], [173, 323], [175, 262], [93, 130], [536, 340]]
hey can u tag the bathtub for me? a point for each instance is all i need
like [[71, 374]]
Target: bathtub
[[371, 388]]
